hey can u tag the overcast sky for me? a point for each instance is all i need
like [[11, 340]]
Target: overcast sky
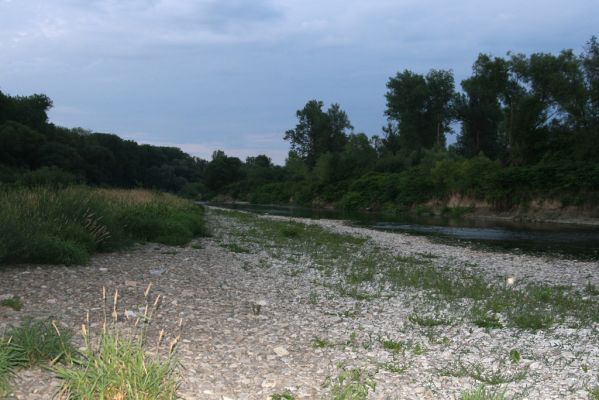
[[230, 74]]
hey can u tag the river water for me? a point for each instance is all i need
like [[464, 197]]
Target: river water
[[573, 241]]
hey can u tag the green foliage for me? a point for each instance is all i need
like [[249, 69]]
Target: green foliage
[[482, 393], [43, 225], [119, 369], [351, 384], [13, 302], [11, 357], [42, 341], [282, 396], [515, 356], [116, 363]]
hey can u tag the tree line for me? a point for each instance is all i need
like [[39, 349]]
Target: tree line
[[527, 128]]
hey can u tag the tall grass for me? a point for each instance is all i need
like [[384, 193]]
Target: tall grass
[[65, 226]]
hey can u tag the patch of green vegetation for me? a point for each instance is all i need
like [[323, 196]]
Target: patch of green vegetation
[[65, 226], [515, 356], [11, 357], [42, 341], [594, 393], [484, 318], [115, 363], [392, 345], [482, 393], [477, 371], [14, 302], [282, 396], [394, 367], [351, 384], [322, 343]]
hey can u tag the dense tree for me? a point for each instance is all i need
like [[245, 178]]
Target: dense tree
[[479, 109], [318, 132], [421, 107]]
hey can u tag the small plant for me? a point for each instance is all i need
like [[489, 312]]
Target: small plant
[[418, 350], [321, 343], [11, 357], [235, 248], [482, 393], [594, 393], [515, 356], [477, 371], [282, 396], [13, 302], [484, 318], [119, 365], [393, 345], [42, 341], [351, 384]]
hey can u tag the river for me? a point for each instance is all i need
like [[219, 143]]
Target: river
[[572, 241]]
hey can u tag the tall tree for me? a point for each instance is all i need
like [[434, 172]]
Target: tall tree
[[318, 132], [479, 109], [421, 107]]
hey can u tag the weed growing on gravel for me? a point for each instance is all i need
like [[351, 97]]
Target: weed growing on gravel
[[482, 393], [394, 346], [11, 357], [42, 341], [351, 384], [282, 396], [14, 302], [117, 363], [594, 393], [322, 343], [427, 320], [235, 248], [484, 318], [477, 371], [515, 356], [395, 367]]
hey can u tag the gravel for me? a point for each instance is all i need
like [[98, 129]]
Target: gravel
[[251, 320]]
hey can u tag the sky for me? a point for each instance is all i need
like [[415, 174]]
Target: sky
[[230, 74]]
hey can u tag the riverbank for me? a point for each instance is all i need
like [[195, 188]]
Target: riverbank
[[273, 306]]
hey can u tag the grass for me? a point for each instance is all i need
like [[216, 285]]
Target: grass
[[66, 226], [117, 363], [282, 396], [594, 393], [320, 343], [42, 342], [478, 372], [13, 302], [351, 384], [393, 346], [482, 393], [11, 357]]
